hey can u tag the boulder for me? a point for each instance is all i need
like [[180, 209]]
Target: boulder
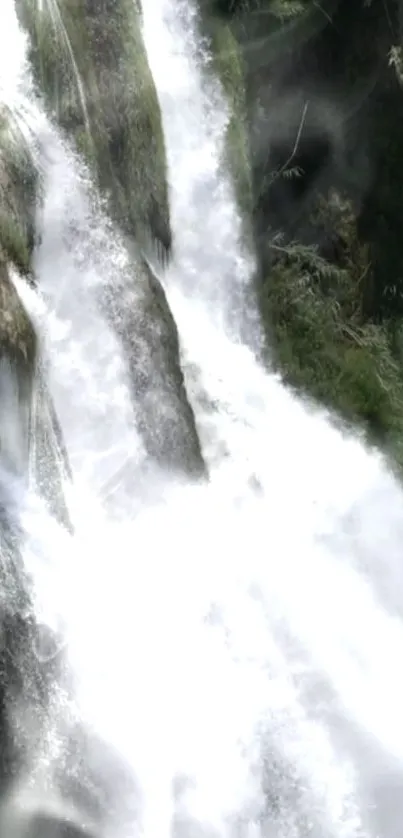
[[141, 315]]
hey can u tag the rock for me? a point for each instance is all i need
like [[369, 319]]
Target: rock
[[25, 684], [31, 442], [17, 368], [21, 679], [141, 315], [94, 781], [50, 468], [18, 345], [49, 826], [18, 193], [90, 62]]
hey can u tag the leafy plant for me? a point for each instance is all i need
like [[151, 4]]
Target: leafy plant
[[320, 341]]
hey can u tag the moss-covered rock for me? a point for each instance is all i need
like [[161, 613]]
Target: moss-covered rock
[[18, 190], [283, 9], [90, 62], [227, 64]]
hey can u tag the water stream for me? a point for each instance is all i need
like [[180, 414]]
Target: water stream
[[232, 648]]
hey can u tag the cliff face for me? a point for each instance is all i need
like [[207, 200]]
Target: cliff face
[[323, 93]]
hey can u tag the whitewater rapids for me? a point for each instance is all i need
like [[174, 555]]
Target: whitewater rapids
[[238, 643]]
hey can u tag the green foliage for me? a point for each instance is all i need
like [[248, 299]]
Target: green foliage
[[322, 344]]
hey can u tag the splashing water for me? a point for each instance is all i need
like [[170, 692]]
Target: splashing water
[[214, 262], [80, 248], [237, 643]]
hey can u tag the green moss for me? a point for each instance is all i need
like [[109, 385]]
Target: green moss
[[322, 344], [142, 163], [91, 63], [18, 191], [13, 242], [228, 65]]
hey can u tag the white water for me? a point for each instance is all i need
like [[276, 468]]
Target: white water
[[249, 626]]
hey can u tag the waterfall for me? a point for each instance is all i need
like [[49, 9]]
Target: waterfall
[[225, 656], [214, 259]]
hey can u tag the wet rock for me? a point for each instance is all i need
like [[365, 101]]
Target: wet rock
[[147, 329], [25, 681], [18, 344], [50, 468], [31, 442], [228, 64], [19, 186], [95, 781]]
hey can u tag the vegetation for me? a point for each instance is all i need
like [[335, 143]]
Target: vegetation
[[327, 189], [324, 345]]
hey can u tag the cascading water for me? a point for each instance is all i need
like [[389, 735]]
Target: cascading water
[[235, 645]]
